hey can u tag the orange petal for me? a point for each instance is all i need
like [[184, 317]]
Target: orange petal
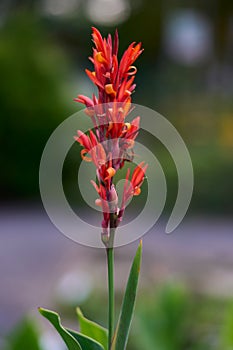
[[109, 89], [137, 191], [110, 126], [101, 155], [83, 152], [111, 172], [99, 57], [132, 70]]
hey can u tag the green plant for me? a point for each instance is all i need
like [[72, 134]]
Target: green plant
[[24, 336], [109, 146]]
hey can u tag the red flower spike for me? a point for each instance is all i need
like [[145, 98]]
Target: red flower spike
[[110, 144]]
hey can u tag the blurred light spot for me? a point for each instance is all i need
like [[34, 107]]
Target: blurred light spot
[[107, 11], [50, 341], [226, 131], [188, 37], [59, 7], [74, 287]]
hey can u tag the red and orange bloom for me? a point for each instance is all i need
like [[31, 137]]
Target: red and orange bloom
[[132, 187], [108, 144]]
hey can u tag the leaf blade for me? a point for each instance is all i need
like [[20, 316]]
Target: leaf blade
[[55, 320], [123, 326], [92, 329], [86, 342]]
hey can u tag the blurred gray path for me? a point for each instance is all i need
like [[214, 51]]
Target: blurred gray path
[[34, 257]]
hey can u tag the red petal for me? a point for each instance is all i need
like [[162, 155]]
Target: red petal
[[93, 78]]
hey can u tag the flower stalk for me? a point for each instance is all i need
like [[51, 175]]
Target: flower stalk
[[111, 295], [111, 289]]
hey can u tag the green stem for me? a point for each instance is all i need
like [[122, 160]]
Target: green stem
[[111, 301]]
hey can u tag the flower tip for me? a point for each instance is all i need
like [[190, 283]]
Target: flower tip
[[94, 29], [98, 202]]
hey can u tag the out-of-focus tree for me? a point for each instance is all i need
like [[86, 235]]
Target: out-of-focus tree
[[31, 101]]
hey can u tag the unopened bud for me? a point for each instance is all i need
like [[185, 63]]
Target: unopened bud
[[113, 198], [105, 236], [113, 194]]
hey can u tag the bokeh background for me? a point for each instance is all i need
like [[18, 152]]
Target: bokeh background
[[186, 74]]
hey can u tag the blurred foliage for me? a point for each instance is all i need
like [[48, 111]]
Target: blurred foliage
[[169, 318], [226, 340], [24, 336], [32, 100], [164, 325], [41, 55]]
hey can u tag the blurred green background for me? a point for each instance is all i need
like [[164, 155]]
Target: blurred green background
[[185, 74], [166, 318]]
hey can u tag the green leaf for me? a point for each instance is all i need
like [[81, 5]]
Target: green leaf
[[92, 329], [123, 326], [71, 342], [226, 329], [85, 342], [24, 336]]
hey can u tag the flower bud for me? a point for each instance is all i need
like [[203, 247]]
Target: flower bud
[[113, 198], [105, 236]]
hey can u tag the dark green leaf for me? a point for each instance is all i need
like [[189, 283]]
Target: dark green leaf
[[85, 342], [122, 331], [92, 329], [71, 342]]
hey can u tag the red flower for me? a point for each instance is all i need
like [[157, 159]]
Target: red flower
[[132, 187], [112, 141], [114, 80]]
